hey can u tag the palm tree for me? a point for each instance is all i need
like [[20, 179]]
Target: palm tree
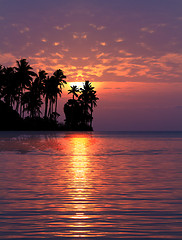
[[93, 101], [24, 76], [1, 80], [53, 89], [46, 93], [74, 89], [85, 99], [31, 100], [38, 84], [32, 103], [40, 80], [59, 84], [10, 86]]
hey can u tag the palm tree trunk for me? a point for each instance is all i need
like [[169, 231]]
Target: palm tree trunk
[[46, 105], [20, 110], [52, 108], [50, 104], [56, 104], [91, 114], [17, 105]]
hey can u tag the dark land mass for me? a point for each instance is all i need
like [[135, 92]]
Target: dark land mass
[[10, 120], [24, 94]]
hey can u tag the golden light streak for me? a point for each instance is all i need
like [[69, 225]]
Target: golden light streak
[[79, 186]]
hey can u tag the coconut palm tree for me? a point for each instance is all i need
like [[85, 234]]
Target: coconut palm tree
[[59, 83], [1, 80], [46, 93], [85, 99], [24, 79], [39, 81], [32, 102], [38, 84], [53, 89], [10, 86], [74, 90], [93, 101]]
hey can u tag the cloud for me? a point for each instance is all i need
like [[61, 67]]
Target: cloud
[[146, 29], [74, 58], [85, 58], [44, 40], [99, 28], [100, 55], [103, 44], [57, 55], [22, 29], [127, 67], [59, 28], [125, 53], [40, 53], [65, 49], [14, 25], [56, 43], [119, 40], [95, 70], [145, 46], [25, 29], [75, 36], [79, 35], [94, 49], [84, 36], [7, 59]]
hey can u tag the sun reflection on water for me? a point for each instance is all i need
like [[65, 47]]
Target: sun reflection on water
[[80, 185]]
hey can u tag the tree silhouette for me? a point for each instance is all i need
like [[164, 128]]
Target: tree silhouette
[[32, 101], [74, 90], [79, 112], [58, 84], [10, 88], [24, 94], [24, 78], [1, 80], [85, 97], [53, 89], [93, 101]]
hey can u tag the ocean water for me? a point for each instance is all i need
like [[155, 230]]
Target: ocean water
[[100, 185]]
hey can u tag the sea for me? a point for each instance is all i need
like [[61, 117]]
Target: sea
[[90, 185]]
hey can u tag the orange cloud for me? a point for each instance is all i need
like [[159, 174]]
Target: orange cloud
[[119, 40], [103, 44], [44, 40], [56, 43], [7, 58]]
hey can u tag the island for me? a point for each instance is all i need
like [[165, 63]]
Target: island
[[29, 101]]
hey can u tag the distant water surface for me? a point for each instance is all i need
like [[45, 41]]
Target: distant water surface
[[103, 185]]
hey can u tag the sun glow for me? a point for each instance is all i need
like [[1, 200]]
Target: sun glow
[[80, 187], [97, 85], [78, 84]]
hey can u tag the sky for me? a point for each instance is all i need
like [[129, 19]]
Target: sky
[[130, 49]]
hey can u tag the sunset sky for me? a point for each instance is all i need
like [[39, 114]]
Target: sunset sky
[[130, 49]]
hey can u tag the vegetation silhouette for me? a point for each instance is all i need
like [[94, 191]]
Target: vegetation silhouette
[[79, 112], [25, 94]]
